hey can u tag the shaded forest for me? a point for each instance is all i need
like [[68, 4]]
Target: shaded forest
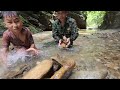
[[39, 21]]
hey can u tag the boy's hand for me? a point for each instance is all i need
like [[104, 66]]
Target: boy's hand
[[36, 52], [68, 42], [60, 41], [64, 38]]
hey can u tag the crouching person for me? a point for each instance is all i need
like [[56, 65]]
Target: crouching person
[[64, 29], [17, 35]]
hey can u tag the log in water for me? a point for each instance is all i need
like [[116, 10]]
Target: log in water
[[67, 67], [39, 71]]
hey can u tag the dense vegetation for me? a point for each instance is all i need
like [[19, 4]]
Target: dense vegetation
[[95, 18]]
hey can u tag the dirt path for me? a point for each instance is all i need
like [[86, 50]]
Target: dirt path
[[96, 53]]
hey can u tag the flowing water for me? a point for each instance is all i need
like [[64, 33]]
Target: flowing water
[[96, 54]]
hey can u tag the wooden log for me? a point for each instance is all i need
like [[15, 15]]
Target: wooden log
[[55, 67], [39, 71], [67, 66], [57, 59]]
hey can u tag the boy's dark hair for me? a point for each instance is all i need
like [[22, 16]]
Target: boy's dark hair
[[9, 13]]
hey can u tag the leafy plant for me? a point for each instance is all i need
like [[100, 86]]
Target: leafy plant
[[95, 18]]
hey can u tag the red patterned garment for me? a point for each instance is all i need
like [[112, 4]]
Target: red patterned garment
[[9, 37]]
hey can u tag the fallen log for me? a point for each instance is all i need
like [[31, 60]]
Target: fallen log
[[50, 69], [64, 70], [58, 59], [55, 67], [39, 71]]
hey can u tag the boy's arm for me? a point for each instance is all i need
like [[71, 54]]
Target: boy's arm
[[55, 34], [33, 46], [31, 40], [74, 31], [5, 54], [5, 46]]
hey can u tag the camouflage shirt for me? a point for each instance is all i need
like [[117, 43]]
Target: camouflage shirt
[[70, 29]]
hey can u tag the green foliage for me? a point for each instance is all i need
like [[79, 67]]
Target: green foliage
[[2, 25], [33, 29], [95, 18], [25, 21]]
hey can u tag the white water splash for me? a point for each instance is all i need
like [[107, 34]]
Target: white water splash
[[15, 57]]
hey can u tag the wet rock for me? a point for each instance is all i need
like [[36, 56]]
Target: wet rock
[[99, 74], [111, 20], [113, 74], [17, 72], [112, 65]]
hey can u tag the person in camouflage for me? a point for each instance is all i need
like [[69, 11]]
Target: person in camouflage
[[64, 28]]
